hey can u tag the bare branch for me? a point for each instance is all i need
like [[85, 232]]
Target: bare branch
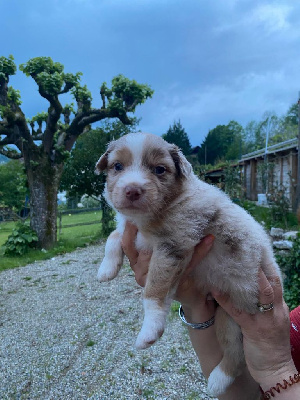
[[54, 112], [38, 136], [131, 108], [3, 91], [11, 154], [6, 141]]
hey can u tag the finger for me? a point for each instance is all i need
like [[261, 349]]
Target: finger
[[143, 261], [128, 242], [140, 276], [200, 251], [277, 288], [266, 292], [140, 269]]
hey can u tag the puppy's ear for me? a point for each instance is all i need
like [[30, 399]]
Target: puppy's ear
[[101, 164], [183, 167]]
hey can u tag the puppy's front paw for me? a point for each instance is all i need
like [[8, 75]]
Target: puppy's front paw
[[218, 381], [107, 271], [151, 331]]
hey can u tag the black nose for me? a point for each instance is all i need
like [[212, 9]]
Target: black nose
[[133, 192]]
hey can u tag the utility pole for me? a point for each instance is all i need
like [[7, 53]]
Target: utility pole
[[298, 173]]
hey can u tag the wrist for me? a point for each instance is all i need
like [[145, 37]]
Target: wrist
[[271, 379], [199, 313]]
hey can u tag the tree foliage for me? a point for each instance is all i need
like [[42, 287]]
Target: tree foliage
[[13, 185], [221, 143], [177, 135], [272, 128]]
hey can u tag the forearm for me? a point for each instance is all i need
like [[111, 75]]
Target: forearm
[[209, 353], [204, 341], [291, 391]]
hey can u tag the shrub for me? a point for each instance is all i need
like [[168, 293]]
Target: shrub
[[232, 181], [20, 240], [290, 265], [279, 204]]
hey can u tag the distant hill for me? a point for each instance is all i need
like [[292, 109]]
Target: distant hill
[[3, 159]]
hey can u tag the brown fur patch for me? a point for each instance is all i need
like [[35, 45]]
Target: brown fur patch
[[232, 243], [102, 163], [122, 155], [155, 154]]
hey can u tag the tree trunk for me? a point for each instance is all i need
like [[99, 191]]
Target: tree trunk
[[43, 180]]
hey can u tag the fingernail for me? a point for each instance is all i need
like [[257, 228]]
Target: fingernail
[[215, 293], [209, 239]]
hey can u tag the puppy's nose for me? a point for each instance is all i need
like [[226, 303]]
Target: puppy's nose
[[133, 192]]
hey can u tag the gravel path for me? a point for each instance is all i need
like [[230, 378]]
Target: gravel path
[[65, 336]]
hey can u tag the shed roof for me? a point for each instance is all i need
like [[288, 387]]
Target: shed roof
[[276, 148]]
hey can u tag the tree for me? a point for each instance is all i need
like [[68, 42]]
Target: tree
[[277, 128], [177, 135], [291, 117], [78, 177], [45, 141], [221, 143], [13, 185]]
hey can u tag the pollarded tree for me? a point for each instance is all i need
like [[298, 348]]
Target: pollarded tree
[[45, 140]]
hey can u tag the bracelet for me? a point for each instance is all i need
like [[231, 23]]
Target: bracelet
[[200, 325], [286, 384]]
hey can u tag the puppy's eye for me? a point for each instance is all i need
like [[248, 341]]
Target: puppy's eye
[[118, 166], [159, 170]]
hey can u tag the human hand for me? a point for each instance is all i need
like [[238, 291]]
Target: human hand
[[195, 303], [266, 335], [139, 261], [197, 306]]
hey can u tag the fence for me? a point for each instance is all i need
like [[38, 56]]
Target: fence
[[7, 214], [76, 211]]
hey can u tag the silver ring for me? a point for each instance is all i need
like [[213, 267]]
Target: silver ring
[[265, 307]]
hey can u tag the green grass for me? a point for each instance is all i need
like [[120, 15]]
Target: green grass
[[263, 215], [69, 239], [5, 230], [80, 236], [73, 219]]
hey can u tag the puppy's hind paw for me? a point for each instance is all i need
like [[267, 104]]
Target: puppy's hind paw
[[107, 271], [218, 382], [144, 341], [148, 335]]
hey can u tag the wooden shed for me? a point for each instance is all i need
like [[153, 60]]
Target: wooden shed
[[267, 168]]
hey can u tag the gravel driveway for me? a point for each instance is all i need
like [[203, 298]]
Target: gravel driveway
[[65, 336]]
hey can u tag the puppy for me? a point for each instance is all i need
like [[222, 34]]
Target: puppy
[[151, 184]]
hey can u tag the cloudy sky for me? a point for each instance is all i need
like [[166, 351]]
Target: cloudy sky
[[208, 61]]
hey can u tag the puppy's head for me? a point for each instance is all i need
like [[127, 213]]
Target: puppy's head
[[144, 173]]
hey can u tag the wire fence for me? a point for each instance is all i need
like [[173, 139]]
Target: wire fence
[[73, 211]]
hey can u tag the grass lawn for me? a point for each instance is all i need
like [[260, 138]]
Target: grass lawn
[[69, 239], [263, 215], [5, 230], [73, 236]]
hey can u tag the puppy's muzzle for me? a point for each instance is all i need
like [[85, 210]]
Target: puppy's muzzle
[[133, 193]]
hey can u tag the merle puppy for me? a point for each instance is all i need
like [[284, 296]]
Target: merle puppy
[[151, 184]]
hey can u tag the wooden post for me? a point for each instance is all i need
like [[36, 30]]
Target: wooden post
[[60, 222], [253, 165], [293, 179], [297, 202]]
